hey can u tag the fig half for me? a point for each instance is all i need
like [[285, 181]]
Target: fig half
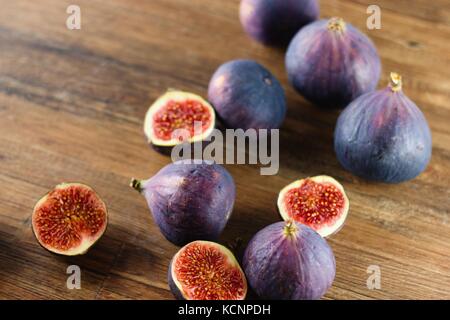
[[69, 219], [190, 114], [204, 270], [318, 202]]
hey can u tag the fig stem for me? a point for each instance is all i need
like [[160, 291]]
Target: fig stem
[[290, 229], [136, 185], [395, 82], [336, 24]]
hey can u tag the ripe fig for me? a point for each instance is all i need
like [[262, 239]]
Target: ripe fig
[[189, 201], [204, 270], [69, 219], [247, 96], [383, 136], [318, 202], [331, 63], [276, 22], [178, 110], [289, 261]]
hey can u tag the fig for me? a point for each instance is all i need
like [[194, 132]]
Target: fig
[[318, 202], [189, 200], [246, 95], [69, 219], [276, 22], [186, 112], [383, 136], [289, 261], [204, 270], [331, 63]]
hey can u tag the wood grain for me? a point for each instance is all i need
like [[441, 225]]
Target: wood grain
[[71, 109]]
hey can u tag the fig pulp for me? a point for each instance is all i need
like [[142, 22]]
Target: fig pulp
[[276, 22], [331, 63], [318, 202], [204, 270], [186, 112], [189, 201], [69, 219], [289, 261], [247, 96], [383, 136]]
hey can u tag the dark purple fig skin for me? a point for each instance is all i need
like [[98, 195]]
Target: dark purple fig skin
[[383, 136], [190, 201], [296, 267], [246, 95], [332, 68], [275, 22], [172, 286]]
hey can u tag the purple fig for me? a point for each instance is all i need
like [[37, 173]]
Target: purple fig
[[189, 201], [383, 136], [289, 261], [331, 63], [275, 22], [246, 95]]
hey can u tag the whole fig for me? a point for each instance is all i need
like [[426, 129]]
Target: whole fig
[[383, 136], [275, 22], [189, 201], [289, 261], [331, 63]]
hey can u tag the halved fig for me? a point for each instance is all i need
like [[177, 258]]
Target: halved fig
[[204, 270], [69, 219], [318, 202], [189, 113]]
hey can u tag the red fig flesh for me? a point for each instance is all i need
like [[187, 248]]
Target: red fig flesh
[[204, 270], [318, 202], [69, 219], [178, 110]]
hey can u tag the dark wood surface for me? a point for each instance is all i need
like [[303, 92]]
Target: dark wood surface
[[72, 105]]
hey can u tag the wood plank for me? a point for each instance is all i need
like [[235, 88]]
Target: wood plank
[[71, 109]]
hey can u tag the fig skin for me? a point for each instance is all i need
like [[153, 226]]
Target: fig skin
[[172, 286], [383, 136], [246, 95], [189, 201], [289, 261], [273, 22], [331, 63]]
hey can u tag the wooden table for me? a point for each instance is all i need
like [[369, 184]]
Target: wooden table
[[72, 104]]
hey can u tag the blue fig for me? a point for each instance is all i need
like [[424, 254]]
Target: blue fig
[[275, 22], [383, 136], [246, 95]]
